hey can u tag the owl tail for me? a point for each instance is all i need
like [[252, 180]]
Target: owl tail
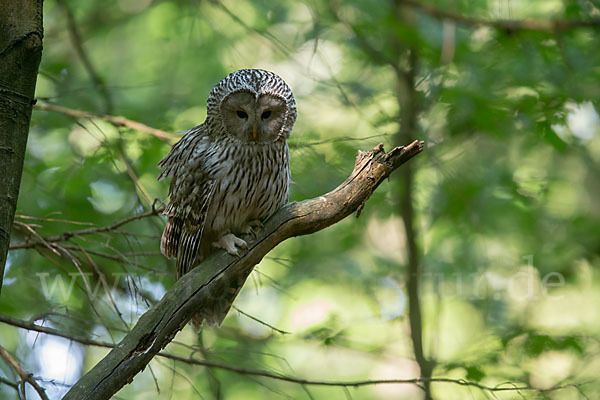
[[169, 242], [222, 294], [222, 291]]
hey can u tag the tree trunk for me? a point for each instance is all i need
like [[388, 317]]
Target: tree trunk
[[408, 104], [21, 33]]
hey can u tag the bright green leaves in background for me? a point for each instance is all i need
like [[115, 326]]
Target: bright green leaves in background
[[506, 196]]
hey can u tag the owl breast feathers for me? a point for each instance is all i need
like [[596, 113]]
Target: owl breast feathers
[[228, 173]]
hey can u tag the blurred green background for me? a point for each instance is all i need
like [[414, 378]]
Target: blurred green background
[[506, 196]]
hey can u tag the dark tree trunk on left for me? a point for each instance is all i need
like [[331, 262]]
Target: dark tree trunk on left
[[21, 35]]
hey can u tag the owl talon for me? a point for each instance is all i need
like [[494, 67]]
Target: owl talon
[[230, 243], [252, 227], [256, 224]]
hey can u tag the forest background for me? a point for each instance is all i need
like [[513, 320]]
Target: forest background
[[477, 263]]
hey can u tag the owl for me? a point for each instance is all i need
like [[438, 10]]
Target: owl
[[228, 174]]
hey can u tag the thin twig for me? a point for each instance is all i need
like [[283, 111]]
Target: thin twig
[[119, 258], [25, 376], [102, 279], [65, 236], [30, 326], [41, 240], [286, 378], [298, 145], [114, 120], [133, 177], [260, 322], [66, 221], [9, 383], [46, 317], [293, 379]]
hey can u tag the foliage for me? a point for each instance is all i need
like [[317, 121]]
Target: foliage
[[506, 197]]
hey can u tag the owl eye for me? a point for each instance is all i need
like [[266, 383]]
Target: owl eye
[[266, 114], [241, 114]]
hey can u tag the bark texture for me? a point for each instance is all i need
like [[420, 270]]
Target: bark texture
[[222, 272], [21, 34]]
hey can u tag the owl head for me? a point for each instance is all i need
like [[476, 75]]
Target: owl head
[[252, 105]]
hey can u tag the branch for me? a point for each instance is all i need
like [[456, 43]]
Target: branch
[[261, 322], [9, 383], [285, 378], [65, 236], [223, 272], [507, 25], [30, 326], [299, 144], [25, 377], [114, 120], [166, 136], [368, 382]]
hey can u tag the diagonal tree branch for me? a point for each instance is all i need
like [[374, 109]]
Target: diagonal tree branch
[[222, 272]]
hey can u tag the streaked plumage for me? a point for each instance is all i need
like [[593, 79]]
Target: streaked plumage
[[228, 172]]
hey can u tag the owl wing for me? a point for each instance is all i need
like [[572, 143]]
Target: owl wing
[[190, 195]]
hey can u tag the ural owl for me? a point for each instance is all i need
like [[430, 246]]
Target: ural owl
[[228, 173]]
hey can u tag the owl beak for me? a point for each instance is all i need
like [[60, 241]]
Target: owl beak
[[254, 133]]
